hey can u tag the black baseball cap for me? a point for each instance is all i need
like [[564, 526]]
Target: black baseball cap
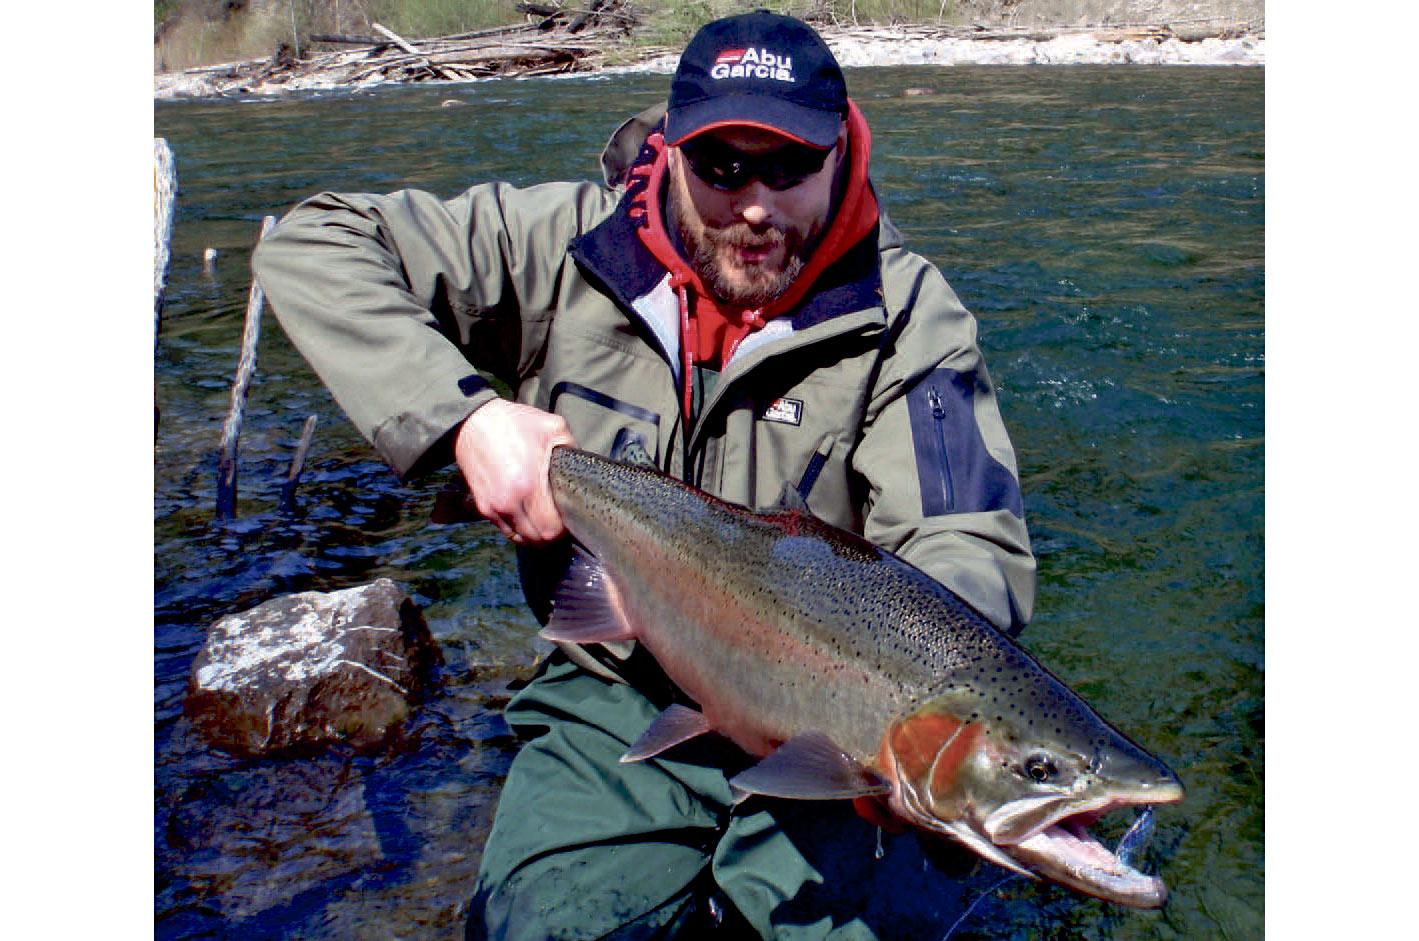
[[762, 70]]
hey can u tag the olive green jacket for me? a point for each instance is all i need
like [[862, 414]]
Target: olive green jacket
[[869, 401]]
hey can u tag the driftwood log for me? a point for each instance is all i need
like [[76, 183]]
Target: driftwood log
[[546, 47], [420, 58]]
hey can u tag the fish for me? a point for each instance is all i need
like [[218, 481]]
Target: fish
[[848, 673]]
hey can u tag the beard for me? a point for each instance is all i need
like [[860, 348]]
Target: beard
[[713, 254]]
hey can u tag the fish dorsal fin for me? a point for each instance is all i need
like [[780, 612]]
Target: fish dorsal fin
[[809, 767], [675, 725], [586, 608]]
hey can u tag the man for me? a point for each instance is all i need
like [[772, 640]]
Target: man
[[737, 311]]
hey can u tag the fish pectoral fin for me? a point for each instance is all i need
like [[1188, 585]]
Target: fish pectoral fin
[[675, 725], [586, 608], [810, 767]]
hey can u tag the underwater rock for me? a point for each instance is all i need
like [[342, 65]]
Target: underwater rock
[[311, 669]]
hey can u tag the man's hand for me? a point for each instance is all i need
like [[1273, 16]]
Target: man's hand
[[503, 450]]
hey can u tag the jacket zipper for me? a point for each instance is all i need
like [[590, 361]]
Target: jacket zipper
[[938, 416]]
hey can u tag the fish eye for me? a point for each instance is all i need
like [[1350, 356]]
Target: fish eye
[[1040, 768]]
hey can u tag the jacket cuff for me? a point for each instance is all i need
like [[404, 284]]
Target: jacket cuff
[[418, 441]]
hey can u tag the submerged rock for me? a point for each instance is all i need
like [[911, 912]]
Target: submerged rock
[[311, 669]]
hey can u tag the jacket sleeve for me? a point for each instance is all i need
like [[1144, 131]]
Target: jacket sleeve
[[404, 303], [943, 490]]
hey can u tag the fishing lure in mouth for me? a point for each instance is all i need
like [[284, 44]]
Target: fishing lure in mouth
[[1136, 838]]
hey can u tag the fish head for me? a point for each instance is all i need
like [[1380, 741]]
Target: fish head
[[1018, 773]]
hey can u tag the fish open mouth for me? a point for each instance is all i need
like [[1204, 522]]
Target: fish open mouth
[[1066, 852]]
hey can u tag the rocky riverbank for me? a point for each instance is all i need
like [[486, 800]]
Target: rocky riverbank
[[1137, 46], [530, 51]]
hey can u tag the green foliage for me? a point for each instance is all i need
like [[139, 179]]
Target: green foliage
[[426, 18], [162, 9], [884, 12], [673, 22]]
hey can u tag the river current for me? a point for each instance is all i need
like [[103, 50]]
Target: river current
[[1105, 226]]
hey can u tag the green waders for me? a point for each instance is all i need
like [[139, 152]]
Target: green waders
[[584, 847]]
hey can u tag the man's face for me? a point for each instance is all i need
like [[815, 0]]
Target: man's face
[[748, 244]]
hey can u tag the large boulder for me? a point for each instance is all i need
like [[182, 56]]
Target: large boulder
[[311, 669]]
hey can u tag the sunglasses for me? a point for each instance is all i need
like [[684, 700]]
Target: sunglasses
[[727, 169]]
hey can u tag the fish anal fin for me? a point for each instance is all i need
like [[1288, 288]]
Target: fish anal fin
[[675, 725], [810, 767], [586, 608]]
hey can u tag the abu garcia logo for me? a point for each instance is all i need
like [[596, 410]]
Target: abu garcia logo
[[752, 63]]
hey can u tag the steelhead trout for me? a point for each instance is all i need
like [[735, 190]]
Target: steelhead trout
[[850, 673]]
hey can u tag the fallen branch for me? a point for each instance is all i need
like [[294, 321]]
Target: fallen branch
[[398, 40], [512, 57], [404, 44], [340, 39], [483, 33]]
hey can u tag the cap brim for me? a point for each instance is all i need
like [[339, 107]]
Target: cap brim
[[807, 125]]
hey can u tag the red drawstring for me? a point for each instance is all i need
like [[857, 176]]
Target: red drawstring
[[641, 172], [749, 321], [687, 351]]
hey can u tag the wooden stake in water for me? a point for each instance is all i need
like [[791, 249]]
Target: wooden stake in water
[[246, 368], [293, 477], [164, 201]]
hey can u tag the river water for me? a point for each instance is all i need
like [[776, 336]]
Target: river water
[[1105, 225]]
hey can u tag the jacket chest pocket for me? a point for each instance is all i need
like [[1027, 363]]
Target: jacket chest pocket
[[801, 443], [607, 424]]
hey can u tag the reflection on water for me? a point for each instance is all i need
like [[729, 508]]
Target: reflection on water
[[1104, 224]]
